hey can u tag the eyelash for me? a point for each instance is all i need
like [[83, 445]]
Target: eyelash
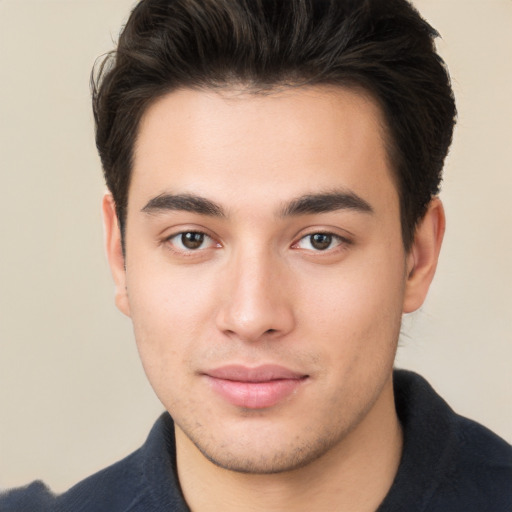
[[340, 242], [187, 250]]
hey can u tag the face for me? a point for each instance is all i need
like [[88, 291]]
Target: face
[[265, 270]]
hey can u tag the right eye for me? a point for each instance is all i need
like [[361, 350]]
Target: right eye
[[190, 241]]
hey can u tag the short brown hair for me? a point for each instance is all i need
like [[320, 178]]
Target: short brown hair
[[383, 46]]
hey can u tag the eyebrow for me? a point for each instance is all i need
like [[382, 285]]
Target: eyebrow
[[183, 202], [305, 205], [326, 202]]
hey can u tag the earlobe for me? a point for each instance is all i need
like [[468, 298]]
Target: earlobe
[[423, 256], [115, 254]]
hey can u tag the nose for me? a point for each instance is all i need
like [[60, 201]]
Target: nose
[[258, 303]]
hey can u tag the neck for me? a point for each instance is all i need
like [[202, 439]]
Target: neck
[[354, 476]]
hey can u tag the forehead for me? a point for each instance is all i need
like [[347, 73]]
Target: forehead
[[234, 143]]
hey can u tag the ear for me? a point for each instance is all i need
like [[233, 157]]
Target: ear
[[114, 251], [423, 256]]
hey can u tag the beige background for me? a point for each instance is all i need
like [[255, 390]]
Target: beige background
[[73, 397]]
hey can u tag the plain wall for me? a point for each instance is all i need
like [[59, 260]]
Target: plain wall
[[73, 396]]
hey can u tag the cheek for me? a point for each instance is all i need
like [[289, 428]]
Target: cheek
[[169, 315], [355, 327], [168, 299], [357, 308]]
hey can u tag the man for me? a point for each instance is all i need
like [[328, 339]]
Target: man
[[273, 170]]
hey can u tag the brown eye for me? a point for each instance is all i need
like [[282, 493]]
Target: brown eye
[[320, 241], [192, 240], [188, 242]]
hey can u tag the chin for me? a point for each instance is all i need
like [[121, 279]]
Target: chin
[[267, 454]]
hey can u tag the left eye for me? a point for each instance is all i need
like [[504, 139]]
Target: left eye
[[319, 242], [191, 241]]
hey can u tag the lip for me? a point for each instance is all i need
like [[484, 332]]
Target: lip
[[254, 388]]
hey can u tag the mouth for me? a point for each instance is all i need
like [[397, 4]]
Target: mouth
[[254, 388]]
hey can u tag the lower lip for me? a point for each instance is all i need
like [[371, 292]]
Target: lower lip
[[255, 395]]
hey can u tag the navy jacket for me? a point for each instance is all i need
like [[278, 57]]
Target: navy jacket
[[449, 464]]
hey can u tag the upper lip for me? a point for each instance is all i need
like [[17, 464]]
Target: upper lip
[[263, 373]]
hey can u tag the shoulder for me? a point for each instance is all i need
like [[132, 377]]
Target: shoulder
[[451, 462], [113, 489], [481, 469], [145, 480], [33, 497]]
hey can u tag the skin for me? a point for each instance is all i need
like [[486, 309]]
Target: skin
[[259, 290]]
